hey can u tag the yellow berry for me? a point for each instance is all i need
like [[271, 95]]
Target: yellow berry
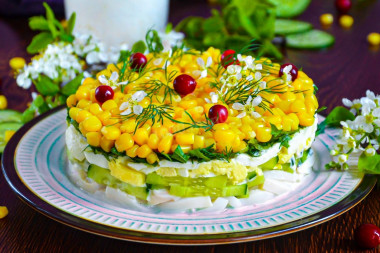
[[141, 136], [143, 151], [346, 21], [92, 124], [93, 138], [17, 63], [124, 142], [3, 211], [110, 132], [373, 39], [71, 101], [326, 19], [3, 102]]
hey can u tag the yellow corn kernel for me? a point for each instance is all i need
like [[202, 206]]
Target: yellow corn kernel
[[141, 136], [274, 119], [161, 131], [326, 19], [83, 104], [17, 63], [236, 142], [165, 143], [185, 149], [82, 115], [288, 96], [81, 129], [83, 93], [112, 122], [93, 138], [110, 132], [124, 142], [300, 96], [298, 106], [3, 102], [221, 126], [199, 142], [263, 134], [297, 84], [184, 139], [109, 105], [224, 136], [128, 126], [95, 109], [132, 151], [152, 158], [257, 125], [71, 101], [209, 142], [104, 116], [92, 124], [8, 135], [89, 81], [373, 39], [153, 141], [284, 106], [346, 21], [186, 104], [106, 144], [147, 126], [310, 109], [242, 146], [311, 98], [143, 151], [145, 102], [3, 211], [248, 132], [286, 123], [305, 119], [73, 112], [295, 120]]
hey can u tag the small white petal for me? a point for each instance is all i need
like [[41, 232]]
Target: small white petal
[[209, 61], [137, 109], [201, 62], [255, 114], [123, 106], [203, 74], [241, 115], [239, 57], [368, 128], [126, 112], [249, 78], [139, 95], [102, 79], [157, 62], [257, 100], [376, 112], [257, 75], [249, 100], [370, 94], [238, 106], [259, 66]]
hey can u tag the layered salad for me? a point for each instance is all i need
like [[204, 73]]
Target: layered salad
[[183, 129]]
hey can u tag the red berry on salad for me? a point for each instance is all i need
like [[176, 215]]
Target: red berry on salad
[[228, 58], [367, 236], [138, 61], [103, 93], [218, 114], [293, 70], [184, 84], [343, 6]]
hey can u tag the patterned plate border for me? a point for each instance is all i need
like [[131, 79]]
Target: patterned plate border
[[24, 192]]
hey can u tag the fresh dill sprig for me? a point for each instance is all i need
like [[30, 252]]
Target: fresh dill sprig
[[153, 41], [206, 125]]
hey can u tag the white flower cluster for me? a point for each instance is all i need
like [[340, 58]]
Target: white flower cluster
[[57, 62], [361, 134]]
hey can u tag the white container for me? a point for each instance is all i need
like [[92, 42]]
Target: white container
[[118, 21]]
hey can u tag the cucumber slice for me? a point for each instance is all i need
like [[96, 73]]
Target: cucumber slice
[[4, 127], [210, 182], [199, 190], [314, 39], [103, 176], [287, 26], [269, 165], [8, 115], [290, 8], [257, 180]]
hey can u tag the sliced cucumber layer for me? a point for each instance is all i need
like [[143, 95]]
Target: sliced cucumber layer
[[290, 8], [314, 39], [287, 26]]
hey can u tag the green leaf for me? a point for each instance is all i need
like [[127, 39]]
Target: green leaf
[[139, 47], [369, 164], [124, 55], [214, 39], [169, 28], [66, 37], [50, 19], [38, 23], [284, 140], [275, 131], [198, 154], [39, 42], [321, 109], [153, 41], [179, 155], [213, 24], [28, 115], [337, 115], [71, 23], [45, 86], [72, 86]]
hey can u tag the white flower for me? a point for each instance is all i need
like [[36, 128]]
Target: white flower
[[204, 66], [171, 39], [248, 107], [370, 151], [367, 105], [213, 98], [132, 105], [112, 80], [23, 80], [342, 158], [286, 73]]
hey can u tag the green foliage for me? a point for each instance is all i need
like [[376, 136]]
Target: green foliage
[[72, 86], [45, 86], [369, 164], [39, 42], [334, 118], [139, 46], [153, 41], [179, 156]]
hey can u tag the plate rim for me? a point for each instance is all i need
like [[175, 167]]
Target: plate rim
[[38, 204]]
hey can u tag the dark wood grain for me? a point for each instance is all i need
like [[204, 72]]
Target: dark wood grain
[[347, 69]]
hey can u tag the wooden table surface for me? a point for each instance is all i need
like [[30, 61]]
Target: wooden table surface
[[347, 69]]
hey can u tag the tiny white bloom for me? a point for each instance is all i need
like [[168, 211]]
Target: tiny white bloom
[[132, 105], [112, 80], [342, 158], [370, 151], [248, 107], [204, 66], [213, 98]]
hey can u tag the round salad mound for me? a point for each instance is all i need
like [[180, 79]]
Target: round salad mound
[[166, 127]]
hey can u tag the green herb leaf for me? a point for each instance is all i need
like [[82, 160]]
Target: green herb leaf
[[337, 115], [169, 28], [71, 23], [72, 86], [39, 42], [369, 164], [198, 154], [139, 47], [45, 86], [28, 115], [284, 141], [38, 23], [321, 109], [153, 41], [179, 155], [275, 131], [51, 20]]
